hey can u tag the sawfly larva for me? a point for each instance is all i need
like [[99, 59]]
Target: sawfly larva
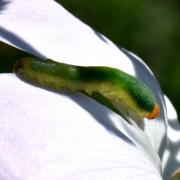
[[113, 84]]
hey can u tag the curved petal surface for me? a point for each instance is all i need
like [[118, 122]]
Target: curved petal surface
[[171, 158], [45, 136], [47, 30]]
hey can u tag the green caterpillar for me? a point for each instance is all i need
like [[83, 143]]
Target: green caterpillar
[[113, 84]]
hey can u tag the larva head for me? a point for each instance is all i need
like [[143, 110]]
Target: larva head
[[147, 102], [142, 100], [155, 112]]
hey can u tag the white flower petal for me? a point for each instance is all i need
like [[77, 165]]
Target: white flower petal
[[46, 29], [60, 36], [155, 129], [171, 157], [45, 136]]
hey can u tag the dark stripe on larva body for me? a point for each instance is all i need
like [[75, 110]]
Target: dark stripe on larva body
[[114, 84]]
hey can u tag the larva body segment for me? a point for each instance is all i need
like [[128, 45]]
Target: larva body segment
[[113, 84]]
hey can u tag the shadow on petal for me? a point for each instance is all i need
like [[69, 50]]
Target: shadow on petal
[[3, 5], [172, 162], [158, 133], [172, 154], [8, 59], [101, 116], [19, 42]]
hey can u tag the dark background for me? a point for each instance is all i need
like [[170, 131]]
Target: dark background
[[150, 29]]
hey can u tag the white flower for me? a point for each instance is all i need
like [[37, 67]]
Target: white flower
[[47, 135]]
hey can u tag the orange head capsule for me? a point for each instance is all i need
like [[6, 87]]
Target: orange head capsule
[[155, 112]]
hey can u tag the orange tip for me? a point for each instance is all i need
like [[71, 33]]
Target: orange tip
[[155, 112]]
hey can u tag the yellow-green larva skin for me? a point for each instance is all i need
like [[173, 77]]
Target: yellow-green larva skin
[[112, 83]]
